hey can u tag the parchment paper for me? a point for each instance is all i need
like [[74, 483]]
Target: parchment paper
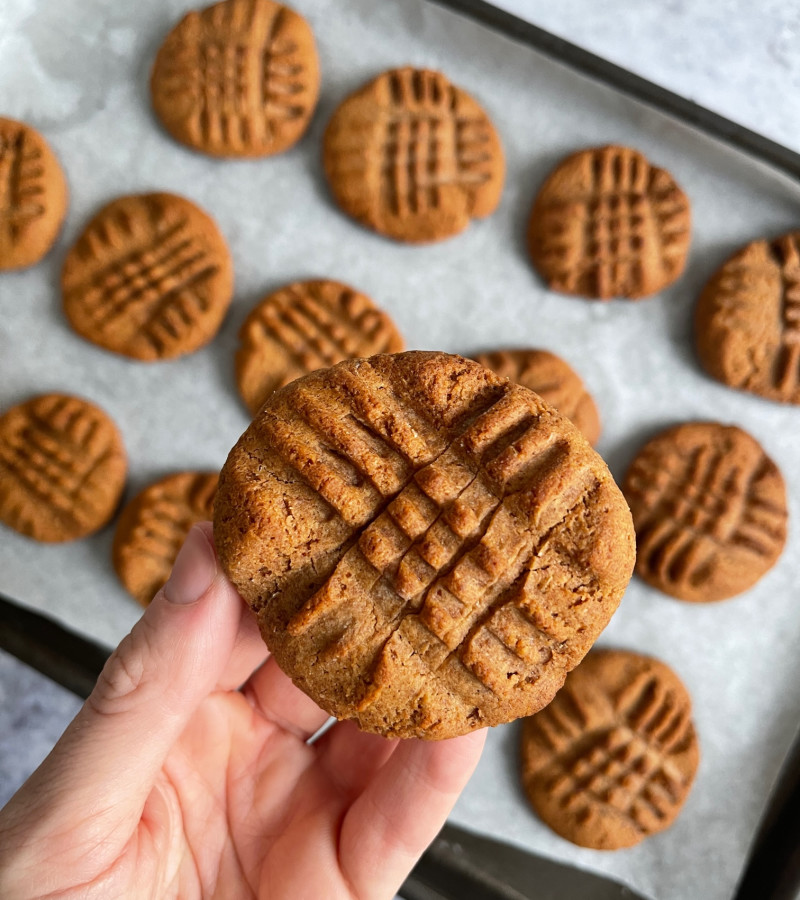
[[78, 69]]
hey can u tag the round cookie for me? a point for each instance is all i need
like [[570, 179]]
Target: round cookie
[[151, 277], [553, 379], [238, 79], [62, 468], [429, 548], [33, 195], [709, 508], [608, 224], [153, 527], [747, 321], [305, 326], [612, 758], [413, 157]]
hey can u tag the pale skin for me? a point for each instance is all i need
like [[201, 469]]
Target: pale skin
[[187, 774]]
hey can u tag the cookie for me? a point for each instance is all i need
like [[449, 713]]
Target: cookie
[[413, 157], [553, 379], [613, 757], [62, 468], [238, 79], [608, 224], [153, 527], [33, 195], [151, 277], [306, 326], [709, 508], [747, 322], [429, 548]]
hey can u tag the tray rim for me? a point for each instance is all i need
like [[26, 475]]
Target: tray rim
[[716, 126]]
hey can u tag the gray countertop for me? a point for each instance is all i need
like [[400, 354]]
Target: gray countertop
[[737, 57], [33, 713]]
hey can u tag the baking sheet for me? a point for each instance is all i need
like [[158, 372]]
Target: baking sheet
[[78, 70]]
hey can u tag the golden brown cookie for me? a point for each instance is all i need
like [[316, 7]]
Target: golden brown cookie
[[429, 548], [413, 157], [608, 224], [62, 468], [553, 379], [747, 322], [613, 757], [151, 277], [305, 326], [709, 507], [239, 78], [33, 195], [154, 525]]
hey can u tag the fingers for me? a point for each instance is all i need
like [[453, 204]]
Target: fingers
[[103, 768], [249, 652], [277, 699], [351, 758], [400, 812]]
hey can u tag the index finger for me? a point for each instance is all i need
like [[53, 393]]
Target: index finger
[[401, 811]]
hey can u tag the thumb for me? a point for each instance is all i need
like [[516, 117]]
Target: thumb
[[101, 771]]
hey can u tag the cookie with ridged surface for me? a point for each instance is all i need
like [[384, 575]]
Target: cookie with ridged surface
[[238, 79], [150, 277], [709, 508], [554, 379], [747, 321], [305, 326], [608, 224], [62, 468], [612, 759], [429, 548], [153, 527], [33, 195], [413, 157]]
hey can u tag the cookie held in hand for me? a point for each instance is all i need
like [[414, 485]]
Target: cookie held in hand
[[428, 547], [612, 758]]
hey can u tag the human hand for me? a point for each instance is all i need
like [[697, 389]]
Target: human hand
[[172, 782]]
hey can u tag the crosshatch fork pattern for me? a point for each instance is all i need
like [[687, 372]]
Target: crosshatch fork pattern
[[52, 457], [704, 506], [168, 514], [149, 277], [307, 326], [747, 321], [154, 525], [625, 754], [426, 145], [462, 544], [786, 378], [413, 156], [625, 232], [157, 278], [238, 77], [448, 544], [21, 185]]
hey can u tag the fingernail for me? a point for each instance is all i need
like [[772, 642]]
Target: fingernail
[[194, 569]]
